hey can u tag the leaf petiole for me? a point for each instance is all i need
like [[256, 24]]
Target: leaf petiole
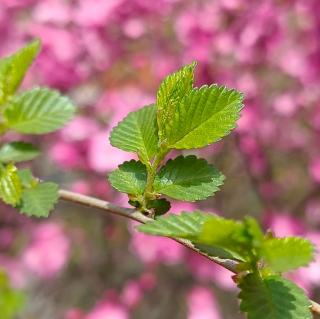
[[152, 169]]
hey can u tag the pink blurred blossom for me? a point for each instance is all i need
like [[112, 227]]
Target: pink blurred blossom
[[282, 224], [121, 101], [79, 129], [74, 314], [153, 249], [178, 207], [293, 63], [81, 187], [285, 104], [131, 294], [52, 11], [134, 28], [66, 155], [148, 281], [108, 309], [205, 270], [48, 251], [102, 156], [201, 304], [248, 120], [63, 44], [97, 13]]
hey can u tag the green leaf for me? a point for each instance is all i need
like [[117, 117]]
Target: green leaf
[[130, 178], [138, 133], [39, 200], [11, 300], [10, 185], [204, 116], [18, 152], [272, 298], [26, 178], [253, 229], [14, 68], [160, 206], [38, 111], [188, 178], [284, 254], [186, 225], [171, 91], [215, 251], [228, 234]]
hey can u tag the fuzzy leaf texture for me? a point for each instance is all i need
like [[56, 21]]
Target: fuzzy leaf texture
[[186, 225], [38, 111], [39, 200], [14, 68], [188, 179], [130, 178], [225, 233], [10, 185], [272, 297], [171, 91], [204, 116], [18, 152], [284, 254], [138, 133]]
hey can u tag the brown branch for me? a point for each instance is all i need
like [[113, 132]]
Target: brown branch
[[139, 217]]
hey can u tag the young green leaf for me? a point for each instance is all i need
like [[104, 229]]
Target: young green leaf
[[188, 178], [272, 297], [288, 253], [130, 178], [26, 178], [171, 91], [10, 185], [160, 206], [39, 200], [228, 234], [186, 225], [204, 116], [14, 68], [38, 111], [253, 231], [138, 133], [18, 152]]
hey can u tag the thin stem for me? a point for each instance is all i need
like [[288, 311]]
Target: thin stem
[[139, 217], [151, 175]]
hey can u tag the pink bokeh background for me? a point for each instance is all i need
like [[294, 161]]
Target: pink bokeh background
[[109, 56]]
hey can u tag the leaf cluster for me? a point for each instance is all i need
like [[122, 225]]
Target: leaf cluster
[[183, 117], [262, 258], [36, 111]]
